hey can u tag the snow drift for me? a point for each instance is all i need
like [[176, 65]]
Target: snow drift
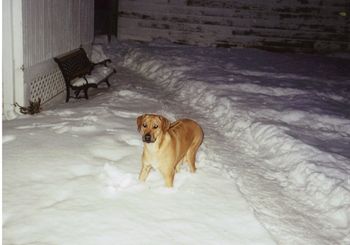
[[290, 111]]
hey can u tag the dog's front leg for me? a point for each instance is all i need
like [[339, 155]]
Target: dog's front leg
[[169, 180], [144, 172], [168, 175]]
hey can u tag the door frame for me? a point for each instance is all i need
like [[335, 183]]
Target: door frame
[[12, 67]]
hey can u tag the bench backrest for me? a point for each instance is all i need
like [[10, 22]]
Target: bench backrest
[[74, 64]]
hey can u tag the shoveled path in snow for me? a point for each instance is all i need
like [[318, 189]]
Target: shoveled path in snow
[[296, 183], [70, 177]]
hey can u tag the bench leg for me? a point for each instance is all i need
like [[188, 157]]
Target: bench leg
[[108, 83], [68, 95], [86, 93]]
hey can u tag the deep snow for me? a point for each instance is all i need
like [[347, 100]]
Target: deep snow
[[274, 166]]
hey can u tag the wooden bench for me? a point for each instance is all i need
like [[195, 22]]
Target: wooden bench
[[80, 73]]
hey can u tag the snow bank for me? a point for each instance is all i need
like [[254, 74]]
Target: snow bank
[[290, 112]]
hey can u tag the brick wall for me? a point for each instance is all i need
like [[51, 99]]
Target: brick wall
[[297, 25]]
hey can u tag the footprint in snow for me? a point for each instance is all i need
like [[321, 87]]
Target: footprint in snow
[[126, 114], [53, 126], [131, 140], [76, 129], [117, 180], [60, 113]]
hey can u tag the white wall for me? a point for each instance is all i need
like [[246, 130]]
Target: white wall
[[53, 27]]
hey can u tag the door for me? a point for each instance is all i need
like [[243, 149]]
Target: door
[[106, 13]]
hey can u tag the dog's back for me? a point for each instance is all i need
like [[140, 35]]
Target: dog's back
[[186, 136], [186, 131]]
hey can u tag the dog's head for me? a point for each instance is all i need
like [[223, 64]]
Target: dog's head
[[152, 127]]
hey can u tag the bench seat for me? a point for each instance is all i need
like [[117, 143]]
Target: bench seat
[[80, 73], [97, 74]]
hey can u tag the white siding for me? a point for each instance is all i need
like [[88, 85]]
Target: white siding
[[53, 27]]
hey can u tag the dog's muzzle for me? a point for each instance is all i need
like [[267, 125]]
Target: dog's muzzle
[[147, 138]]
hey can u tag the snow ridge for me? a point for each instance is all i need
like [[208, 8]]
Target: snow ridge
[[308, 169]]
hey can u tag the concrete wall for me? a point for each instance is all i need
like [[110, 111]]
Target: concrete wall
[[298, 25]]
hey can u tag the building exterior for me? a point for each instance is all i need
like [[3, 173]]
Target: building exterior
[[280, 25], [35, 31]]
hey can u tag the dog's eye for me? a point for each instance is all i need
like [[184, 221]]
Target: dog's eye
[[144, 125], [155, 126]]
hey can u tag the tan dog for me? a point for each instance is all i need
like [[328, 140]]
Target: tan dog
[[167, 145]]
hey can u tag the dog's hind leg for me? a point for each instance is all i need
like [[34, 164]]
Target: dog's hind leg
[[191, 156], [178, 166], [191, 160]]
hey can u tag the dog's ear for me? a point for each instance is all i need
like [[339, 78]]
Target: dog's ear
[[165, 123], [139, 122]]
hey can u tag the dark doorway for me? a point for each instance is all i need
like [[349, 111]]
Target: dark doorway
[[106, 17]]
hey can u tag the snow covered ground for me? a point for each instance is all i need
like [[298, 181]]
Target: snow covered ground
[[273, 169]]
